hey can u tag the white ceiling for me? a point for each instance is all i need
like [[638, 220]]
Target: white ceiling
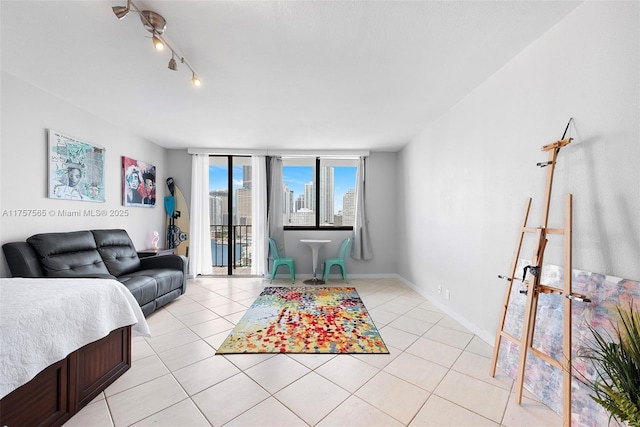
[[277, 74]]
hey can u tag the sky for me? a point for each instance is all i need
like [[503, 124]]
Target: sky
[[294, 177]]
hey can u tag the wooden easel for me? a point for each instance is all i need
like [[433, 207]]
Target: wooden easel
[[534, 288]]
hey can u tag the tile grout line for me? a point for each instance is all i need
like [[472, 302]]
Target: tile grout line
[[381, 291]]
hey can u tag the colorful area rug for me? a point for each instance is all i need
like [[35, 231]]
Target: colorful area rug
[[305, 320]]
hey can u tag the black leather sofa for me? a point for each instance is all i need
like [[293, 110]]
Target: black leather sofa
[[153, 281]]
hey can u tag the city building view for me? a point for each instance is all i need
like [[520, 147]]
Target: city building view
[[335, 210], [230, 223]]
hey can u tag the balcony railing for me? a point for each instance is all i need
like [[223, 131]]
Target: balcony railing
[[240, 241]]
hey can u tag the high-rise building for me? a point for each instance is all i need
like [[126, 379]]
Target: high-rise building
[[349, 208], [246, 177], [218, 202], [299, 203], [243, 206], [302, 217], [287, 204], [309, 197], [326, 195]]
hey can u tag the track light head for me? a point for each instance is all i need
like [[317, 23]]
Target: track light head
[[172, 63], [122, 11], [196, 80], [157, 43]]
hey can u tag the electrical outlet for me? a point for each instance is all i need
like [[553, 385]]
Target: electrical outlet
[[439, 289], [447, 295]]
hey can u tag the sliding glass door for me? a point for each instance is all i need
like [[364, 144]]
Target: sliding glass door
[[230, 197]]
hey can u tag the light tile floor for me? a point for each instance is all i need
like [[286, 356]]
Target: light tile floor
[[437, 372]]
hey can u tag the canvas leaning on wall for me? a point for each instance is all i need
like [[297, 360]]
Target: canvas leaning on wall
[[138, 183], [76, 169]]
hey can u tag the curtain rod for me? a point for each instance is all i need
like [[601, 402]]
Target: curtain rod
[[283, 153]]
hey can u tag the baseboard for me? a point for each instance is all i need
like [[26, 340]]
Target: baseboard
[[482, 334], [339, 277]]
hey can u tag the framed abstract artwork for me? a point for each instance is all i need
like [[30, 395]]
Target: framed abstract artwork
[[138, 183], [76, 169]]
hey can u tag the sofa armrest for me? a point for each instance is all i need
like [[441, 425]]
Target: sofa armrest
[[22, 260], [176, 262]]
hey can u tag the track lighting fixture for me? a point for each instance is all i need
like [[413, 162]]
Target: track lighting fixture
[[153, 22], [122, 11], [157, 43], [156, 24], [195, 80], [172, 63]]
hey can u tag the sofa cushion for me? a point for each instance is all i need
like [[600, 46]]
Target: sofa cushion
[[72, 254], [143, 288], [167, 279], [117, 251]]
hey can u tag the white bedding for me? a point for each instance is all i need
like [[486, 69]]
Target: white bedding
[[42, 321]]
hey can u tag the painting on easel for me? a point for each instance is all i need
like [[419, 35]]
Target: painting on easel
[[545, 382]]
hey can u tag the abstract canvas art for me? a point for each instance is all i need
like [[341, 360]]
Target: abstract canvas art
[[543, 380]]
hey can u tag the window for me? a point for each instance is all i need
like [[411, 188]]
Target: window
[[328, 205], [230, 214]]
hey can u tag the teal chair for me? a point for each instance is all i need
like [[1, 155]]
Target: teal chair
[[339, 260], [278, 260]]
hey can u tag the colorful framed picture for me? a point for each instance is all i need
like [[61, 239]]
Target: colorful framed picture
[[138, 183], [76, 169]]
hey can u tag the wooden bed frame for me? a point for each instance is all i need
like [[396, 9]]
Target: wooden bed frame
[[62, 389]]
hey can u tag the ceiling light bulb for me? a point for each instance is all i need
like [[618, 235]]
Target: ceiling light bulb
[[172, 63], [159, 44], [196, 81]]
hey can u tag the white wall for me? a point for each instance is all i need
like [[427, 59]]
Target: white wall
[[464, 181], [179, 168], [27, 113]]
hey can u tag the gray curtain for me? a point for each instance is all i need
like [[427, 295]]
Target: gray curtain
[[275, 202], [361, 248]]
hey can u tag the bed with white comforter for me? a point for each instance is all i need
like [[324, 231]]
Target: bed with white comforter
[[44, 320]]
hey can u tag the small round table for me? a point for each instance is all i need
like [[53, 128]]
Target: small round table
[[315, 247]]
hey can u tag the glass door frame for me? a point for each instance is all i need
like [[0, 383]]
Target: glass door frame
[[230, 227]]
